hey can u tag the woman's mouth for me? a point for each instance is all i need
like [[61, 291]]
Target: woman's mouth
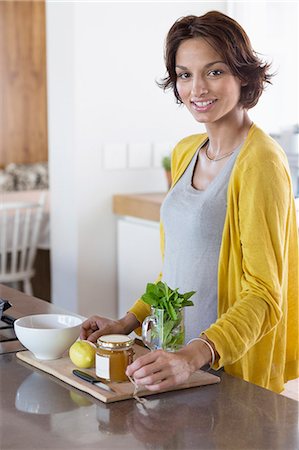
[[202, 106]]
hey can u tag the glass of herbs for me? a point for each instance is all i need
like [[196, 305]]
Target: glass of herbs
[[164, 328]]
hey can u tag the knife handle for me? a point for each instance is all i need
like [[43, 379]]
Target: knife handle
[[85, 376]]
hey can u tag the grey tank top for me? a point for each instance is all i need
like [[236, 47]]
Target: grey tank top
[[193, 222]]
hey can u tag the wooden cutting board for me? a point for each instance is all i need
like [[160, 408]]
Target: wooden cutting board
[[62, 368]]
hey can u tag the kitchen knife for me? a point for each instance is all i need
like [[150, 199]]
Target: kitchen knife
[[93, 380]]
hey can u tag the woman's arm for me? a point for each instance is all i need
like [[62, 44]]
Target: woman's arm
[[262, 218], [160, 369]]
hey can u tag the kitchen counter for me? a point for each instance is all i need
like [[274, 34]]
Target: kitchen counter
[[38, 411], [143, 206]]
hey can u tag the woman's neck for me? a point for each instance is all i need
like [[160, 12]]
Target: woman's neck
[[225, 137]]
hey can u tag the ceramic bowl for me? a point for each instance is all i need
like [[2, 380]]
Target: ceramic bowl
[[48, 336]]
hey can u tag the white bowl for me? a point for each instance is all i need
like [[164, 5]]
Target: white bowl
[[48, 336]]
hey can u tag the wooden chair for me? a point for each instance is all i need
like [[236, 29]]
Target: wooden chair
[[19, 232]]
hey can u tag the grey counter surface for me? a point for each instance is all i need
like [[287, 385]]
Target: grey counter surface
[[40, 412]]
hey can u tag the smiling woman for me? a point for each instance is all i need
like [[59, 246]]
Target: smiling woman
[[238, 60], [228, 223]]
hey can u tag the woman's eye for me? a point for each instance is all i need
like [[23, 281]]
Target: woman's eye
[[215, 73], [183, 76]]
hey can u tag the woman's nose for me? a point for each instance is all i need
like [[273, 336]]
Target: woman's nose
[[199, 87]]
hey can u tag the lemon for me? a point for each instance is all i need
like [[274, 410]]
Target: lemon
[[82, 354]]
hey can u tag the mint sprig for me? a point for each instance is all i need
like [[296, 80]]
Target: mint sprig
[[161, 296]]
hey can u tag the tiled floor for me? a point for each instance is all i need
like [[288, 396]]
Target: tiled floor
[[292, 389]]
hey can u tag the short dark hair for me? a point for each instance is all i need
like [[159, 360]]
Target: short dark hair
[[229, 39]]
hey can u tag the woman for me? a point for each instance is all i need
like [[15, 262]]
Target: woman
[[228, 224]]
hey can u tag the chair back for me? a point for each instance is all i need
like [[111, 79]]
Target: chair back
[[19, 232]]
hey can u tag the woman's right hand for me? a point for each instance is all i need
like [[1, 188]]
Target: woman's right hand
[[97, 326]]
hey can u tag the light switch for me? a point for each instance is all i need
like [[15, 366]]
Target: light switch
[[140, 154], [114, 156]]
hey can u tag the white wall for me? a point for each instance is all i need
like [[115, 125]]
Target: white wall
[[62, 134], [273, 31], [103, 59]]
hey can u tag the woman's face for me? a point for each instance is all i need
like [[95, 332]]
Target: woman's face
[[205, 83]]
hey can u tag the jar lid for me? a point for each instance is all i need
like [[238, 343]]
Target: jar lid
[[115, 341]]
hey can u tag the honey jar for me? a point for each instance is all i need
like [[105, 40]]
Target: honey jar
[[114, 354]]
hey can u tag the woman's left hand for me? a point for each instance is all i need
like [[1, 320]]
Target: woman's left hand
[[160, 369]]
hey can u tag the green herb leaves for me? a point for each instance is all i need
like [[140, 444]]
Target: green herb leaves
[[167, 320], [163, 297]]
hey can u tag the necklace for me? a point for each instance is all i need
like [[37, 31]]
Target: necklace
[[217, 159]]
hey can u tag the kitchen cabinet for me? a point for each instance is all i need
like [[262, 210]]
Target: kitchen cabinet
[[138, 245], [138, 259]]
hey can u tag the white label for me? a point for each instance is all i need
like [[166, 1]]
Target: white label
[[102, 367]]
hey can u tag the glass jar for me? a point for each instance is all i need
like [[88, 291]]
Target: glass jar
[[114, 354], [159, 330]]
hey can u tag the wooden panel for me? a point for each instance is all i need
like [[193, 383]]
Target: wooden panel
[[143, 206], [23, 103], [62, 368]]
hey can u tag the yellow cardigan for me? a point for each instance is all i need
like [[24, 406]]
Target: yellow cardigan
[[256, 333]]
